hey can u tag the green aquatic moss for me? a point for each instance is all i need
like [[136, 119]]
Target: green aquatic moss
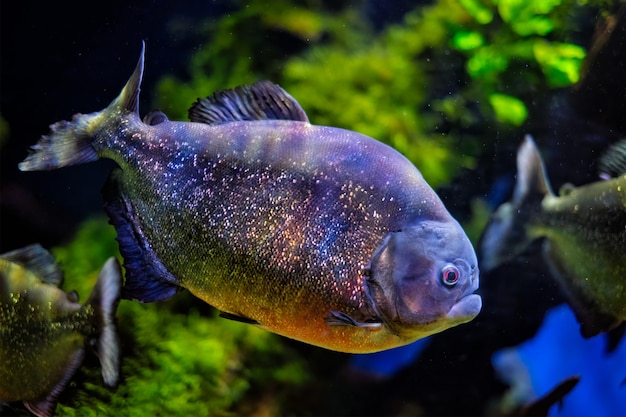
[[528, 41], [178, 357]]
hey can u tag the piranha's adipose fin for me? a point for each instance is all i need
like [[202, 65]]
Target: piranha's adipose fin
[[104, 298], [235, 317], [337, 318], [147, 280], [71, 143], [39, 261], [506, 237], [262, 100]]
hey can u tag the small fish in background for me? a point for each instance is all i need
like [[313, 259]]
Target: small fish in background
[[541, 369], [584, 238], [44, 331], [316, 233]]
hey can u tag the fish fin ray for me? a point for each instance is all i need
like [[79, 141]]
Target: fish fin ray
[[262, 100], [105, 298], [506, 235], [129, 97], [39, 261], [69, 143], [239, 318], [72, 142], [612, 164], [147, 280], [337, 318], [532, 181]]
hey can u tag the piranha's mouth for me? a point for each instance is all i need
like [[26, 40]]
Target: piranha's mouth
[[465, 309], [468, 306]]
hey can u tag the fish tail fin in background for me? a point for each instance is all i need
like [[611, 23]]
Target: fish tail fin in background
[[613, 162], [104, 299], [71, 142], [507, 234]]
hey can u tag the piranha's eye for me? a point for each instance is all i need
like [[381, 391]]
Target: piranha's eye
[[450, 275]]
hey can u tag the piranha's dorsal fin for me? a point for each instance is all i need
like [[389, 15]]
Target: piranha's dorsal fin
[[532, 182], [262, 100], [506, 235], [129, 97], [39, 261]]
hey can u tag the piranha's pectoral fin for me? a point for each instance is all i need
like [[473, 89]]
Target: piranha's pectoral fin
[[39, 261], [147, 279], [235, 317], [46, 406], [337, 318], [262, 100]]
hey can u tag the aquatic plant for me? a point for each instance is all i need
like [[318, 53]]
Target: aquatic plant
[[348, 76], [447, 73], [505, 40], [178, 357]]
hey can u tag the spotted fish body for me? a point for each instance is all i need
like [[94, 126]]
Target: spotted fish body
[[316, 233], [44, 330]]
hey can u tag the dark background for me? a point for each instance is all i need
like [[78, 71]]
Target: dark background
[[61, 58]]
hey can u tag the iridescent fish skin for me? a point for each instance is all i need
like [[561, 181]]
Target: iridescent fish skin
[[44, 330], [584, 238], [315, 233]]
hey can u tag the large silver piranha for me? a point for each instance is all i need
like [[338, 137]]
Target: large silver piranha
[[316, 233], [584, 238], [44, 331]]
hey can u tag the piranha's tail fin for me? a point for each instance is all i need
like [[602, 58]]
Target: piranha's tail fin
[[71, 142], [506, 235], [104, 299]]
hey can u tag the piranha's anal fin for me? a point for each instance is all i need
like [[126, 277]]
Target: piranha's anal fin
[[262, 100], [238, 318], [337, 318], [147, 279]]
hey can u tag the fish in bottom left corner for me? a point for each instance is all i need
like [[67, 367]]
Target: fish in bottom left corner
[[44, 330]]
